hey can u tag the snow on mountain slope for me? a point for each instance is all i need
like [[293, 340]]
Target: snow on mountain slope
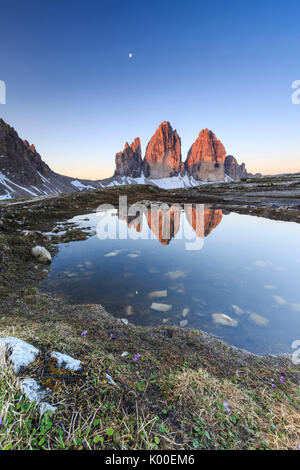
[[176, 182], [23, 173], [59, 184], [54, 184], [172, 182], [79, 185], [10, 187]]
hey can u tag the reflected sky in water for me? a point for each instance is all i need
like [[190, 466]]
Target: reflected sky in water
[[239, 280]]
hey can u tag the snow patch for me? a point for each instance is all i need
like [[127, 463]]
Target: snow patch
[[172, 182], [34, 392], [7, 183], [5, 196], [41, 253], [176, 182], [43, 178], [66, 362], [81, 186]]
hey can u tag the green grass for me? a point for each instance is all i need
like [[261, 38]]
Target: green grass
[[171, 398], [168, 399]]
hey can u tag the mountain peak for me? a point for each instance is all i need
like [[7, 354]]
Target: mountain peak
[[163, 153], [206, 157], [20, 158], [129, 162]]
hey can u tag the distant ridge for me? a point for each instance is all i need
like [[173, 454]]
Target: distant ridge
[[23, 173]]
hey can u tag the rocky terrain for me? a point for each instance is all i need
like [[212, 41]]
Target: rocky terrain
[[233, 169], [24, 173], [206, 157], [205, 160], [129, 162]]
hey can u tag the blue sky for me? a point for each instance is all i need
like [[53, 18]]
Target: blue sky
[[73, 91]]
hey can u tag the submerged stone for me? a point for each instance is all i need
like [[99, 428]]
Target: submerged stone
[[158, 294], [185, 312], [161, 307], [259, 320], [224, 320]]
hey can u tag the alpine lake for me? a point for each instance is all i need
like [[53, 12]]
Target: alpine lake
[[233, 276]]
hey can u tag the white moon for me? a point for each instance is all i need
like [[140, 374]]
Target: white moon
[[130, 55]]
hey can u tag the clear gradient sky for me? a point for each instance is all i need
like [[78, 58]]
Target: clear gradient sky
[[227, 65]]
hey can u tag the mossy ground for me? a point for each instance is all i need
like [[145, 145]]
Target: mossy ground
[[171, 397]]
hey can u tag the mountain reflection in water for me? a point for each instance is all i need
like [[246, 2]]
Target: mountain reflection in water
[[231, 275], [165, 223]]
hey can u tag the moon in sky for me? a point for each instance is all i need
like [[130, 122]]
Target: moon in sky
[[130, 55]]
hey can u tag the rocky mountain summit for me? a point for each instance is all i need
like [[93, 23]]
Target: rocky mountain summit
[[24, 173], [206, 157], [129, 162], [205, 160], [233, 169], [236, 171], [20, 158], [163, 153]]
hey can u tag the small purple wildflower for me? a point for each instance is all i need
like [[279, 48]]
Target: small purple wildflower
[[112, 336], [272, 385], [84, 333], [226, 405], [136, 357], [282, 379], [1, 421]]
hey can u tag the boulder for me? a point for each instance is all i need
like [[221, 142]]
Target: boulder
[[41, 254]]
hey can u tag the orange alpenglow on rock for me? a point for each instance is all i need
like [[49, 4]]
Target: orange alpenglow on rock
[[206, 157], [212, 218], [163, 153], [164, 224], [129, 162]]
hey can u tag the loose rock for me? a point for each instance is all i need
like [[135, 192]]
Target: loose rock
[[41, 254]]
